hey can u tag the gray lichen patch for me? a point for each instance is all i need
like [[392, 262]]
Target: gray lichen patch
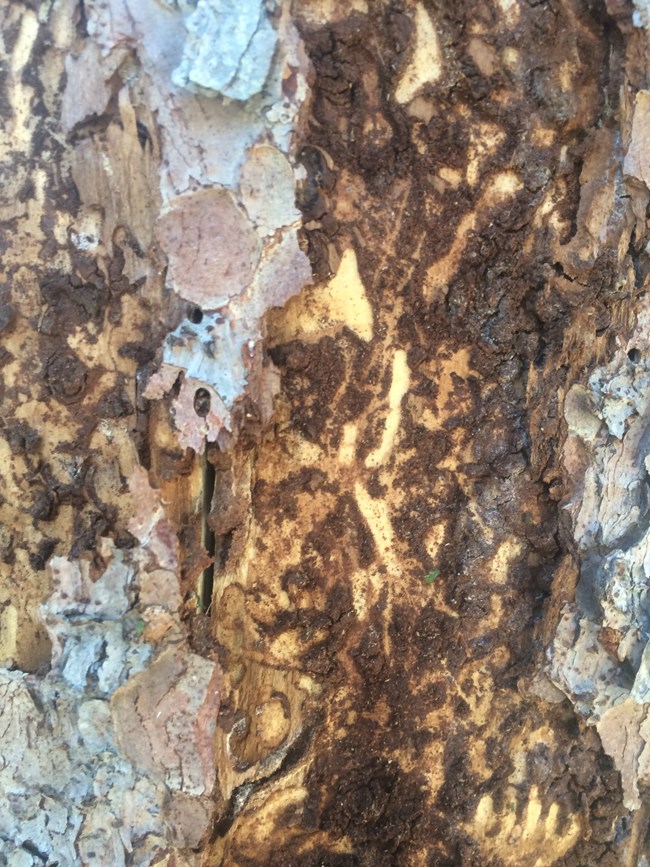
[[228, 49], [641, 13], [600, 653], [119, 733], [600, 656], [216, 354]]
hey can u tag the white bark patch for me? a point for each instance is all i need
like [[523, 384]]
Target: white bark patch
[[637, 159], [214, 171], [91, 94], [268, 189]]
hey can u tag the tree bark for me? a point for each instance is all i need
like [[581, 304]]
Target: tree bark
[[141, 248], [352, 575]]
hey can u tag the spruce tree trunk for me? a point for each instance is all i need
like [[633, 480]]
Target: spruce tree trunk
[[325, 405]]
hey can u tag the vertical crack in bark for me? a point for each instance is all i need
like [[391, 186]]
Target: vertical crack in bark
[[208, 538]]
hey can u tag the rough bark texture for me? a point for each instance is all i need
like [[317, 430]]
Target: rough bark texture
[[420, 636], [135, 205]]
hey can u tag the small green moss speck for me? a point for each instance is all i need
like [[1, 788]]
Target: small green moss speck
[[139, 627], [431, 577], [528, 518]]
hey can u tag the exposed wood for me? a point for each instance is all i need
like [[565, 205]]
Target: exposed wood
[[408, 551]]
